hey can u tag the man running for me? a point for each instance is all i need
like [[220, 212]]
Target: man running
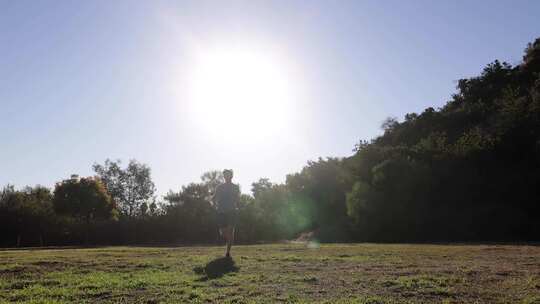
[[226, 200]]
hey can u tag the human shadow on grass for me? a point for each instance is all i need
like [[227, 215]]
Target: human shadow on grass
[[216, 268]]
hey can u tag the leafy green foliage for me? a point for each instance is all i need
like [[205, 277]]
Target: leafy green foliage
[[84, 199], [465, 171], [27, 213], [131, 188]]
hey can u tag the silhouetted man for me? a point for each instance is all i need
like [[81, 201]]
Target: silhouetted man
[[226, 200]]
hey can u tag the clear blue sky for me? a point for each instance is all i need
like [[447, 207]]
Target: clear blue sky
[[82, 81]]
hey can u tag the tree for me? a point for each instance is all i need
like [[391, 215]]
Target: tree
[[41, 210], [85, 199], [191, 213], [319, 190], [270, 207], [212, 179], [130, 187], [467, 171], [27, 212]]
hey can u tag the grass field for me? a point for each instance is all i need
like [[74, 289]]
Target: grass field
[[343, 273]]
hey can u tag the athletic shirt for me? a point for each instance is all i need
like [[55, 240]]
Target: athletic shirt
[[226, 197]]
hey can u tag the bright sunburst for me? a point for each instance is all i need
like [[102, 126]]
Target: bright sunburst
[[240, 92]]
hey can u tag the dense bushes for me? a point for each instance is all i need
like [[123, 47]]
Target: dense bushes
[[468, 171]]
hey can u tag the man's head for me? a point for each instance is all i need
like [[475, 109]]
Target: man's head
[[228, 175]]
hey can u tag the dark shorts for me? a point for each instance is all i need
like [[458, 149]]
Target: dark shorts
[[226, 219]]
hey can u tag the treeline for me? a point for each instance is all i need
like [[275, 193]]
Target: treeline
[[468, 171]]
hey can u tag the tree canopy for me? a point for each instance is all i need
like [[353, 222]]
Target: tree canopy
[[131, 188]]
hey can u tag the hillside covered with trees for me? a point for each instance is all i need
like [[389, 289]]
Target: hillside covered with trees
[[468, 171]]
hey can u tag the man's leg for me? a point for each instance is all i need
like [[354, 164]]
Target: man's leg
[[229, 238]]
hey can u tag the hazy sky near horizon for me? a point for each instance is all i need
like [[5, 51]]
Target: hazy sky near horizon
[[82, 81]]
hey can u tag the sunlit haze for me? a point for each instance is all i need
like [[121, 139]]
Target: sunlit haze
[[261, 87], [241, 95]]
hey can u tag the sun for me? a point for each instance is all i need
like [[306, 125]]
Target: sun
[[238, 93]]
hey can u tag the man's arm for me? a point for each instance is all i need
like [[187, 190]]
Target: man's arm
[[215, 196], [237, 197]]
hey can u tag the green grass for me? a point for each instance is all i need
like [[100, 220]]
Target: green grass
[[289, 273]]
